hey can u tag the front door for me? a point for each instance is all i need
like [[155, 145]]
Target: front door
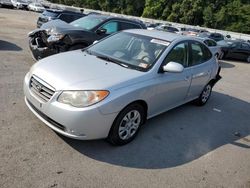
[[171, 88]]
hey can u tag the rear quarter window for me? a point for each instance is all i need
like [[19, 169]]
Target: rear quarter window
[[199, 53], [127, 25]]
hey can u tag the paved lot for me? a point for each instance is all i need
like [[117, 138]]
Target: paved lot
[[186, 147]]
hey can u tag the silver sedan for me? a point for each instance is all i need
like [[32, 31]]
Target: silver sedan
[[111, 88]]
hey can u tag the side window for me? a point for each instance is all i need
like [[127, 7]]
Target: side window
[[207, 42], [111, 27], [210, 43], [178, 54], [126, 25], [199, 53], [213, 43]]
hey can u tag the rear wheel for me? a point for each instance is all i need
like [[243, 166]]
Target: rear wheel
[[205, 95], [248, 59], [127, 124]]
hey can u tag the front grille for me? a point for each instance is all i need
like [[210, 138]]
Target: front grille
[[40, 90], [48, 119]]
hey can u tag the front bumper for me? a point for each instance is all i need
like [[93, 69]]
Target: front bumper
[[39, 49], [39, 23], [78, 123]]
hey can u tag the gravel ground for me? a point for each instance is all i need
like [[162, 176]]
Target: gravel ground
[[186, 147]]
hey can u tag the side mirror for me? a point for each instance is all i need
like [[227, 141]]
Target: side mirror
[[101, 31], [173, 67]]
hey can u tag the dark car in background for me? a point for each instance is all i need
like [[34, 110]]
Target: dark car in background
[[238, 50], [216, 36], [57, 36], [64, 15]]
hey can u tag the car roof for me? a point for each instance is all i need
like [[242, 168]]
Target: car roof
[[163, 35], [115, 17]]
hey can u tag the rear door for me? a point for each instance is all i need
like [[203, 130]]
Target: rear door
[[200, 61], [235, 51], [245, 51]]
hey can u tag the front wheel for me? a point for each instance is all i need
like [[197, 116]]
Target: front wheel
[[205, 95], [127, 124]]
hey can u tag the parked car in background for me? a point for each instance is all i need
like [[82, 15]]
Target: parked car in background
[[53, 14], [213, 46], [192, 31], [167, 28], [216, 36], [110, 89], [6, 3], [20, 4], [238, 50], [228, 42], [150, 26], [58, 36], [37, 7]]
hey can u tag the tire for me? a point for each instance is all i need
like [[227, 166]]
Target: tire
[[222, 55], [248, 59], [127, 125], [77, 47], [205, 95]]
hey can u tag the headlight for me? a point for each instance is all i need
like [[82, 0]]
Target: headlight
[[81, 99], [55, 37]]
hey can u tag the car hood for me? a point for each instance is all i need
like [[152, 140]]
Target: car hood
[[59, 26], [77, 70]]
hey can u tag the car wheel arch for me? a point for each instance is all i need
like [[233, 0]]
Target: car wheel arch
[[113, 134], [141, 102]]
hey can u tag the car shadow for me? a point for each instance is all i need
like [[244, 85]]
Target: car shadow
[[8, 46], [228, 60], [226, 64], [178, 136]]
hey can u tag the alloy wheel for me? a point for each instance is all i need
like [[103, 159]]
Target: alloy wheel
[[206, 93], [129, 124]]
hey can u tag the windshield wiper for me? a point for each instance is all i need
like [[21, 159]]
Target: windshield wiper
[[87, 51], [106, 58]]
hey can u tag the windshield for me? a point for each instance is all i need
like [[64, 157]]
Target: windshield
[[87, 22], [133, 50]]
